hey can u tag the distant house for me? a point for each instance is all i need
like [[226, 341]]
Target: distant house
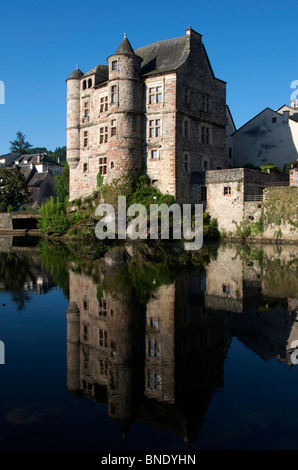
[[41, 187], [38, 170], [269, 137], [8, 159], [41, 161]]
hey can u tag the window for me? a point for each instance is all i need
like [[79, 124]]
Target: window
[[186, 129], [85, 167], [103, 104], [226, 288], [203, 193], [205, 103], [186, 163], [154, 154], [205, 165], [103, 367], [274, 120], [102, 308], [103, 134], [84, 85], [153, 348], [155, 94], [103, 338], [86, 108], [89, 82], [154, 381], [227, 190], [230, 152], [103, 165], [112, 165], [113, 127], [154, 128], [85, 139], [154, 323], [206, 135], [113, 348], [114, 94], [114, 64]]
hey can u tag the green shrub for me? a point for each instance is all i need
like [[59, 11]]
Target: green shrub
[[54, 218]]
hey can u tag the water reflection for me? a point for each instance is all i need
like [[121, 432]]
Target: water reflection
[[150, 337], [162, 360]]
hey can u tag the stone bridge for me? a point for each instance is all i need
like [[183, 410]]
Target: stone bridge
[[18, 221]]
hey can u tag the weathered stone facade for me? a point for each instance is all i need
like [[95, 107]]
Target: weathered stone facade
[[236, 194], [159, 108]]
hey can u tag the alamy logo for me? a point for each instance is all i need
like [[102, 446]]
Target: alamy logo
[[2, 353], [294, 98], [143, 226], [2, 93]]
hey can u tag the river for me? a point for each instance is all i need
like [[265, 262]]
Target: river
[[127, 351]]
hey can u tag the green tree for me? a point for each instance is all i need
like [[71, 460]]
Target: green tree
[[289, 165], [13, 188], [269, 166], [62, 184], [20, 145]]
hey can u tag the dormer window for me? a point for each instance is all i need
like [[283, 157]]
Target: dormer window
[[89, 82], [84, 85], [114, 64]]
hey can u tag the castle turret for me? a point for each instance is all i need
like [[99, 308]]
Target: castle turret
[[73, 117], [125, 105], [73, 349]]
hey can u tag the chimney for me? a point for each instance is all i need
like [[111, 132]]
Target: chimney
[[285, 116], [38, 159], [192, 37]]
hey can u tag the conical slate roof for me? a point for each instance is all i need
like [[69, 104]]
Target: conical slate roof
[[125, 47], [76, 74]]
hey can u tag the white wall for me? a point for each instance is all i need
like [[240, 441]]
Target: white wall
[[261, 141]]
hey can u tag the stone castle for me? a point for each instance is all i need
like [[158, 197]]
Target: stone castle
[[158, 108]]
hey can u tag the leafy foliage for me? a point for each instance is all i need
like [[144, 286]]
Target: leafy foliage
[[62, 184], [269, 166], [20, 145], [13, 188], [289, 165], [54, 218]]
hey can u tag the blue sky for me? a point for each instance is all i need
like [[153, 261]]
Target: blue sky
[[251, 45]]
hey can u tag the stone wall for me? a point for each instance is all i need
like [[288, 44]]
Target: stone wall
[[294, 177]]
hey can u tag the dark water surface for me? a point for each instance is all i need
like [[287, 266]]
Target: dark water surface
[[127, 354]]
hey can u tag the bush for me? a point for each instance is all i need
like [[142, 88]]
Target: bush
[[54, 218]]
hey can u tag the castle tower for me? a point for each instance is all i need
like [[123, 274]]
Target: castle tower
[[73, 118], [125, 98]]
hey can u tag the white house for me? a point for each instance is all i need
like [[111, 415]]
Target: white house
[[271, 136]]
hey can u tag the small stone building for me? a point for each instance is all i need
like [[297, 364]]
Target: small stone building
[[233, 194], [159, 108]]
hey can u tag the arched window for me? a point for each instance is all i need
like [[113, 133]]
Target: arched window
[[89, 82], [84, 85]]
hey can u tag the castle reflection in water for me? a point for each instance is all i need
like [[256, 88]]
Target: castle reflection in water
[[161, 361]]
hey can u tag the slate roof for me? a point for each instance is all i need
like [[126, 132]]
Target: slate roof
[[37, 179], [163, 56], [33, 158], [102, 70], [9, 158], [125, 47], [76, 74], [27, 172]]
